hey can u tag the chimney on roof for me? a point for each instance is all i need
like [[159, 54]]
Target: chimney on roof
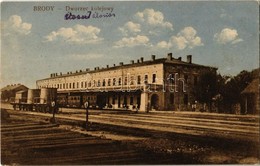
[[87, 69], [153, 57], [132, 61], [61, 73], [114, 65], [179, 58], [80, 71], [138, 61], [121, 63], [76, 71], [189, 58], [142, 59], [169, 56], [107, 66]]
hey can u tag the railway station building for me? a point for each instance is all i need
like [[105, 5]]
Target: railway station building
[[154, 84]]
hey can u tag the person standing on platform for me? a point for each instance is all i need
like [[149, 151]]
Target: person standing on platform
[[53, 106], [86, 105]]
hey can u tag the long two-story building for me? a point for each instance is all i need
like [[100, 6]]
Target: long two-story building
[[154, 84]]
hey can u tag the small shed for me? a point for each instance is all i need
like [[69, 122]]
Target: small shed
[[251, 99]]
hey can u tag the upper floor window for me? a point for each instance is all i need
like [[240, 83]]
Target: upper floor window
[[154, 78], [125, 81], [114, 81], [119, 81], [146, 79], [138, 79], [104, 82]]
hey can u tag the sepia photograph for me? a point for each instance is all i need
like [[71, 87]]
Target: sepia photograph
[[130, 82]]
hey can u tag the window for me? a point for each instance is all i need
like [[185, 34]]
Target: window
[[125, 82], [138, 79], [58, 86], [132, 80], [154, 78], [77, 84], [98, 84], [145, 79], [86, 84], [73, 85], [109, 82], [94, 83], [170, 79], [114, 81], [63, 85], [119, 81], [89, 84], [104, 82], [70, 85], [82, 84]]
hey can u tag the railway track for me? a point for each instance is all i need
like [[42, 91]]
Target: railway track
[[24, 142], [221, 126]]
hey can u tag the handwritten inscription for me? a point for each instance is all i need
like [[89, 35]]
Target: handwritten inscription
[[89, 12]]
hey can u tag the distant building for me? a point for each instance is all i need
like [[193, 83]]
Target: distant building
[[8, 92], [154, 84], [251, 99]]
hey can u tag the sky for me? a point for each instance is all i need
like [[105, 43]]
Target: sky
[[36, 43]]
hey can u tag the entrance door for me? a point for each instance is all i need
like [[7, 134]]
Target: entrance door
[[155, 101], [101, 101]]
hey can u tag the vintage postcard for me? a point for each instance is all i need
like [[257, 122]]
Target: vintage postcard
[[135, 82]]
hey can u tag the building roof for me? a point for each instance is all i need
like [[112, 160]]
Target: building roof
[[253, 87], [172, 61], [13, 87]]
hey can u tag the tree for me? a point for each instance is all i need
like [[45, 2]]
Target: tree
[[232, 88]]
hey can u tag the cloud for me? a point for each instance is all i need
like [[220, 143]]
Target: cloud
[[130, 28], [78, 34], [153, 18], [132, 41], [146, 23], [186, 38], [227, 36], [163, 44], [15, 26]]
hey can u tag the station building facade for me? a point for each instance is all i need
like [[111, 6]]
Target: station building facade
[[154, 84]]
